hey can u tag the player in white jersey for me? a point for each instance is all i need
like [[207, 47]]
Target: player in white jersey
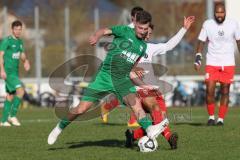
[[221, 35]]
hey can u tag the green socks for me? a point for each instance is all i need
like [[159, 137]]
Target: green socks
[[64, 123], [16, 103], [145, 123], [6, 110]]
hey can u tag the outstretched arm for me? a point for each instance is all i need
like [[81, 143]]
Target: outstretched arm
[[162, 48], [173, 42], [97, 35]]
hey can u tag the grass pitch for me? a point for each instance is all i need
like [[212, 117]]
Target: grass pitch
[[93, 140]]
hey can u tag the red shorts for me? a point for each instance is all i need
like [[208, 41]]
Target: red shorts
[[223, 74], [141, 94], [153, 93]]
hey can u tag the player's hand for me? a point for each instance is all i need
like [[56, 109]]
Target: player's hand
[[26, 65], [197, 67], [198, 61], [139, 72], [3, 74], [188, 21], [93, 40]]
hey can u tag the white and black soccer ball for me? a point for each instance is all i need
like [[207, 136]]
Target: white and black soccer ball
[[146, 144]]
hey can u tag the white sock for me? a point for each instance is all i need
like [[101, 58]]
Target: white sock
[[220, 120], [212, 117]]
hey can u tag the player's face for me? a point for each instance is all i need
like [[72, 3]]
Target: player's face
[[220, 14], [17, 30], [141, 30], [149, 34]]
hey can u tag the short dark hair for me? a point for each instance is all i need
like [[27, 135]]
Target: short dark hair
[[143, 17], [16, 23], [135, 10], [219, 4], [151, 26]]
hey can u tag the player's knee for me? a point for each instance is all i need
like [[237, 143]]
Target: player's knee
[[9, 97], [20, 92], [210, 99], [225, 93]]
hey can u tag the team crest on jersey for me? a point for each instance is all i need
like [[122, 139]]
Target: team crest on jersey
[[221, 33]]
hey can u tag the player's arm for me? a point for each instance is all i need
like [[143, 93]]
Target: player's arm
[[3, 48], [162, 48], [25, 61], [174, 41], [238, 44], [198, 55], [97, 35], [202, 38], [3, 73]]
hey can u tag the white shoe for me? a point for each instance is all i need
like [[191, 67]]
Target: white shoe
[[154, 130], [5, 124], [52, 137], [14, 121]]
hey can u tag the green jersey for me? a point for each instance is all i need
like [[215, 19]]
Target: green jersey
[[12, 48], [123, 52], [113, 76]]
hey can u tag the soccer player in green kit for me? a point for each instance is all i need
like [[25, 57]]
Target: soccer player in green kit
[[113, 76], [11, 50]]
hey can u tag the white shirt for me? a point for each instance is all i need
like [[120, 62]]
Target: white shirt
[[221, 41], [161, 48], [154, 50]]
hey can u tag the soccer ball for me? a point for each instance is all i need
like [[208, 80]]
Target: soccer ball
[[146, 144]]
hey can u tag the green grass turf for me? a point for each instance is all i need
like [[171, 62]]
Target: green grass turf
[[96, 141]]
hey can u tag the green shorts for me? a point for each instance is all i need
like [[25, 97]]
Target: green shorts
[[12, 82], [104, 84]]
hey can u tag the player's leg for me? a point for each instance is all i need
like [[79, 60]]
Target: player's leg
[[107, 107], [210, 100], [6, 110], [226, 78], [223, 103], [71, 116], [15, 106], [152, 130], [132, 122], [157, 107]]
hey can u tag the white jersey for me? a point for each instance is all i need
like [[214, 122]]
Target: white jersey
[[154, 50], [161, 48], [221, 40]]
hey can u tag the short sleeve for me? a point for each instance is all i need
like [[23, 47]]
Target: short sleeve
[[22, 49], [4, 44], [120, 30], [203, 34], [237, 31]]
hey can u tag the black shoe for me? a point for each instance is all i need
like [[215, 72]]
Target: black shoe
[[211, 122], [173, 140], [219, 123], [129, 139]]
